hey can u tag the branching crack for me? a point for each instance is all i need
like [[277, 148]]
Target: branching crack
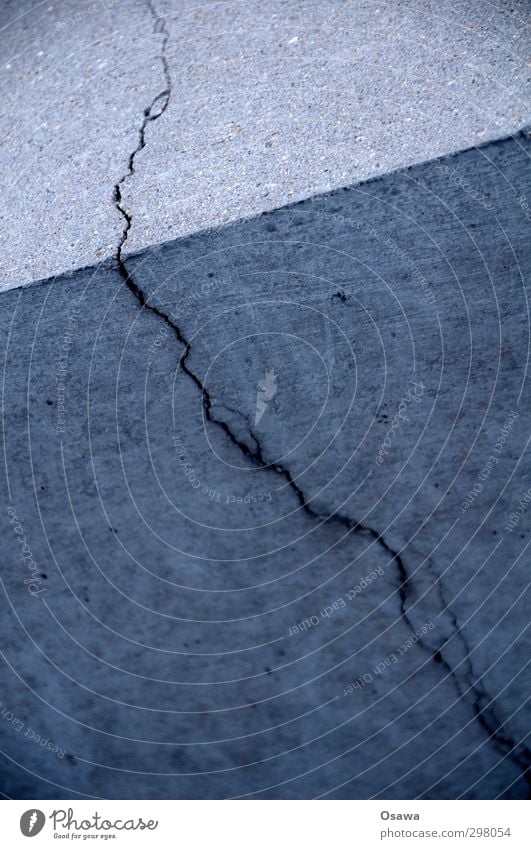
[[486, 718]]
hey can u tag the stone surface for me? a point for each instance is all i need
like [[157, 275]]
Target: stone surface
[[248, 475], [75, 78], [270, 102]]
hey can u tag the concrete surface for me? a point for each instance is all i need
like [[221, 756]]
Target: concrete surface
[[74, 80], [325, 404], [270, 102]]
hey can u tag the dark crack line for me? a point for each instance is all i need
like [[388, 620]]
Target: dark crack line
[[492, 728], [486, 716], [152, 112], [488, 721]]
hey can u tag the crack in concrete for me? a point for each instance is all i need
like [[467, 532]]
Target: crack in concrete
[[486, 716], [491, 726], [152, 112]]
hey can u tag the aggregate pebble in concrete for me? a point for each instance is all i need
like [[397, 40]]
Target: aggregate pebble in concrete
[[185, 637]]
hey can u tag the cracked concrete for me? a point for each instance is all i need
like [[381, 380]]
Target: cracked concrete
[[75, 79], [273, 102], [160, 654]]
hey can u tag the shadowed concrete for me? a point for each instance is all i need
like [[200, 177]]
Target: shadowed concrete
[[265, 484], [270, 102]]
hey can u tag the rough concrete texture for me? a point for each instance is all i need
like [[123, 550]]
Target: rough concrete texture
[[263, 490], [75, 79], [270, 102]]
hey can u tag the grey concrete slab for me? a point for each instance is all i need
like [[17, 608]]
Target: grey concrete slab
[[265, 501], [270, 102], [75, 78]]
